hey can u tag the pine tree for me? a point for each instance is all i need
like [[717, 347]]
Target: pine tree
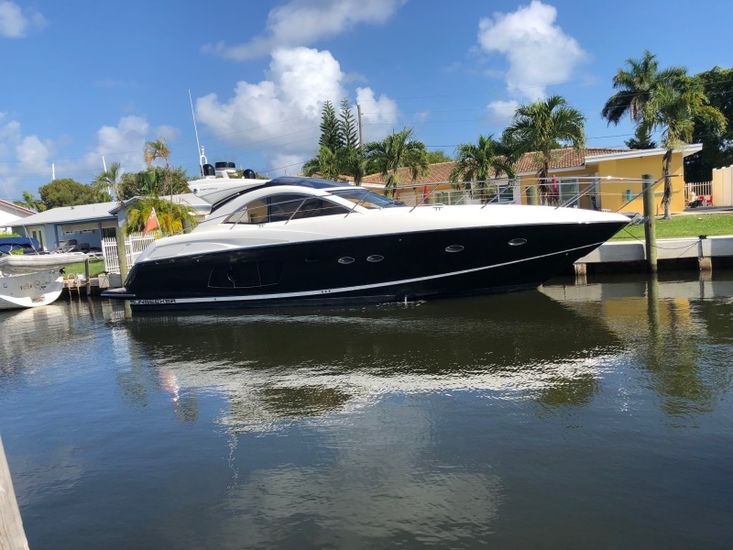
[[329, 128], [347, 126]]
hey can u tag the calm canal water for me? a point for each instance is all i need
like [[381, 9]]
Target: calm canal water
[[596, 416]]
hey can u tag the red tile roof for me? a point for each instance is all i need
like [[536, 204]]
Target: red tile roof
[[528, 164]]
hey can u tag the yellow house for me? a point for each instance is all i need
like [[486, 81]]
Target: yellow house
[[607, 179]]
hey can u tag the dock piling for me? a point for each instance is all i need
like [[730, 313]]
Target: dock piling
[[650, 234]]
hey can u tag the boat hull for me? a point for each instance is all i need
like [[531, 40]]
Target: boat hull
[[30, 290], [379, 268]]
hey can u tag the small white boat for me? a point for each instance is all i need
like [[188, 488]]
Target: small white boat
[[30, 279]]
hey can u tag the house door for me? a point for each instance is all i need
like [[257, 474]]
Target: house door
[[38, 235]]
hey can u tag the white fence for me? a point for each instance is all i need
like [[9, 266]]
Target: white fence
[[134, 245], [702, 190], [723, 186]]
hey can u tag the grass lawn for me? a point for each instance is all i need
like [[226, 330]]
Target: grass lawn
[[95, 268], [683, 226]]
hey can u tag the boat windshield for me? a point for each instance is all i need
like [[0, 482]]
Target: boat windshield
[[366, 198]]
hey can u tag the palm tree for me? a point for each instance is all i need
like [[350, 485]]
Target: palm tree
[[636, 88], [30, 202], [543, 126], [158, 149], [676, 106], [395, 151], [475, 164], [108, 181], [327, 164]]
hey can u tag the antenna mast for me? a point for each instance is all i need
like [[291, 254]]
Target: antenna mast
[[199, 152]]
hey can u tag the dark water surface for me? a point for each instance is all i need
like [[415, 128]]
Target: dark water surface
[[596, 416]]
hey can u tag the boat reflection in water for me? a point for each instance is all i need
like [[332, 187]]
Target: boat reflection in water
[[292, 364], [595, 412], [346, 379]]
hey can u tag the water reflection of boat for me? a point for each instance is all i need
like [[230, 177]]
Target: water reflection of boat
[[30, 329], [287, 365]]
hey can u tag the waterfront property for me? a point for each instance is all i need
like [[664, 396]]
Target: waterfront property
[[85, 225], [606, 179]]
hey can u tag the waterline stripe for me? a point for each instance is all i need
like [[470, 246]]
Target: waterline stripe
[[327, 291]]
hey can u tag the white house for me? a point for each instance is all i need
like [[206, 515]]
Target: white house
[[10, 213]]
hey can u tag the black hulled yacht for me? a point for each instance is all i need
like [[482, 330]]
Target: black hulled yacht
[[304, 241]]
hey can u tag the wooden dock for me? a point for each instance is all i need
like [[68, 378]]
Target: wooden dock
[[12, 535]]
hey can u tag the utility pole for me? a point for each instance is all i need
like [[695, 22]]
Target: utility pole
[[650, 232], [358, 119]]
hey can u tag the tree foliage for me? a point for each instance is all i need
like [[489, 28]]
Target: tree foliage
[[29, 201], [677, 107], [435, 157], [637, 85], [154, 181], [68, 192], [543, 126], [108, 181], [478, 163], [172, 218], [397, 150], [329, 128], [339, 153], [156, 149], [642, 139], [666, 101], [347, 127], [717, 146]]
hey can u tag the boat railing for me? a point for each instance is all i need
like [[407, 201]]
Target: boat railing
[[592, 192], [589, 192]]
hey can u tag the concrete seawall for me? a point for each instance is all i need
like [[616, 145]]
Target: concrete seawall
[[670, 253]]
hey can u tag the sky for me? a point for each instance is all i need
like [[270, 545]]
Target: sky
[[84, 80]]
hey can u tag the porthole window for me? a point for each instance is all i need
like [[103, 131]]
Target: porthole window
[[375, 258], [453, 248], [345, 260], [519, 241]]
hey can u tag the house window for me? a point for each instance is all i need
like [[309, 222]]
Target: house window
[[569, 189]]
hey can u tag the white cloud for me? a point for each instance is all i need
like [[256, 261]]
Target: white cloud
[[280, 116], [538, 50], [303, 22], [286, 164], [123, 143], [33, 155], [24, 156], [502, 111], [29, 157], [15, 22]]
